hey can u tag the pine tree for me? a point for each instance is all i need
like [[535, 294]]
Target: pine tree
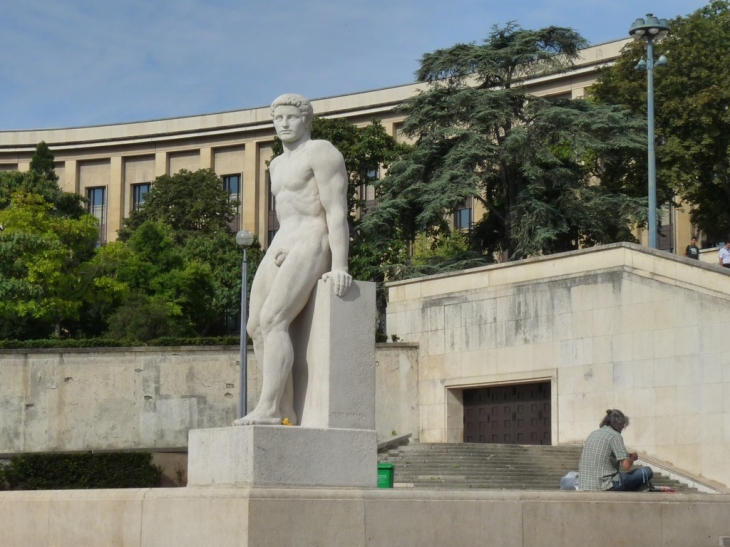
[[531, 162], [42, 162]]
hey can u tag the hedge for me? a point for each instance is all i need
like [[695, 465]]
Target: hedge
[[111, 343], [80, 471]]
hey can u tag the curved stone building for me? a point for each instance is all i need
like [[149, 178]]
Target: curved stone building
[[114, 165]]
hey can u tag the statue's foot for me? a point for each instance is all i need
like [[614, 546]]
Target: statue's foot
[[258, 418], [290, 415]]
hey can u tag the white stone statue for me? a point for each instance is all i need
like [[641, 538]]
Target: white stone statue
[[309, 181]]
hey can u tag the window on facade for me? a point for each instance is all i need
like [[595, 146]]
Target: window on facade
[[97, 207], [232, 185], [567, 96], [463, 216], [367, 190], [139, 193]]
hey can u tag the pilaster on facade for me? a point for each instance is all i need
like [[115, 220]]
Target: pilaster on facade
[[116, 197], [250, 190], [71, 176], [160, 163], [206, 157], [390, 128]]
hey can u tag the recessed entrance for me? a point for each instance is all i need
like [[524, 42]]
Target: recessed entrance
[[517, 414]]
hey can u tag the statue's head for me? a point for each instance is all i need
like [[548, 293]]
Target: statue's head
[[298, 101]]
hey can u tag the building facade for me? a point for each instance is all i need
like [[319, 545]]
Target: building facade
[[534, 351], [114, 165]]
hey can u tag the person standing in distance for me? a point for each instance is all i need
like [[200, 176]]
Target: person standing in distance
[[724, 256], [309, 181], [692, 251]]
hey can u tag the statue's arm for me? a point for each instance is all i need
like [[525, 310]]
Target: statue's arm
[[329, 170]]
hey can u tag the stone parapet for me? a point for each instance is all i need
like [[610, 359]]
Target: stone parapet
[[273, 517], [282, 456], [54, 400]]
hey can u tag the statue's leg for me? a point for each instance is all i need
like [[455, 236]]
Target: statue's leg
[[260, 289], [286, 406], [289, 294]]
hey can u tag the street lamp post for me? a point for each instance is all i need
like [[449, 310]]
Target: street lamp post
[[650, 30], [244, 238]]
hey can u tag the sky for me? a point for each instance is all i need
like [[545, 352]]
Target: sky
[[71, 63]]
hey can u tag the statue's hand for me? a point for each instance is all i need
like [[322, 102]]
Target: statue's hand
[[340, 279], [280, 255]]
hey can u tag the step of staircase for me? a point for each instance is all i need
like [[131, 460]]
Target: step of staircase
[[490, 466]]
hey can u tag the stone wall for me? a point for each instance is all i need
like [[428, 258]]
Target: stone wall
[[149, 398], [618, 326], [396, 390], [348, 517]]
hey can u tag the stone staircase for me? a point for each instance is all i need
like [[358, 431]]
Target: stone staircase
[[490, 466]]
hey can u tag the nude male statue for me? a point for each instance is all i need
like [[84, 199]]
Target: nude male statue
[[309, 182]]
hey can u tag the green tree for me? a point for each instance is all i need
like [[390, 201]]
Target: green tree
[[188, 202], [41, 254], [692, 98], [224, 257], [142, 318], [531, 162], [42, 162], [196, 212], [161, 281], [104, 292], [41, 180], [45, 238]]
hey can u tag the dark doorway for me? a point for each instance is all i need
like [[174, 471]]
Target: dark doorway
[[518, 414]]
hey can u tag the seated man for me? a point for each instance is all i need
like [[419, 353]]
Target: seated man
[[605, 463]]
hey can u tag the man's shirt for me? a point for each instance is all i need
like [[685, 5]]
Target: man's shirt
[[725, 255], [602, 452]]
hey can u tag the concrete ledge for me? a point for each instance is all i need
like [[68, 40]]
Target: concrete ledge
[[652, 263], [282, 456], [270, 517]]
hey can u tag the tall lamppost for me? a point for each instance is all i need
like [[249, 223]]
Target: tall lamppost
[[244, 238], [649, 30]]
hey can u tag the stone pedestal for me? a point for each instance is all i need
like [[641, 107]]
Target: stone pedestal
[[334, 398], [334, 358], [282, 456]]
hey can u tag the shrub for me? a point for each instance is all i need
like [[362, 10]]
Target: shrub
[[80, 471], [142, 318], [72, 343]]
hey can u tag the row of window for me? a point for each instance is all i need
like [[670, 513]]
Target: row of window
[[97, 201], [232, 186], [463, 220]]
